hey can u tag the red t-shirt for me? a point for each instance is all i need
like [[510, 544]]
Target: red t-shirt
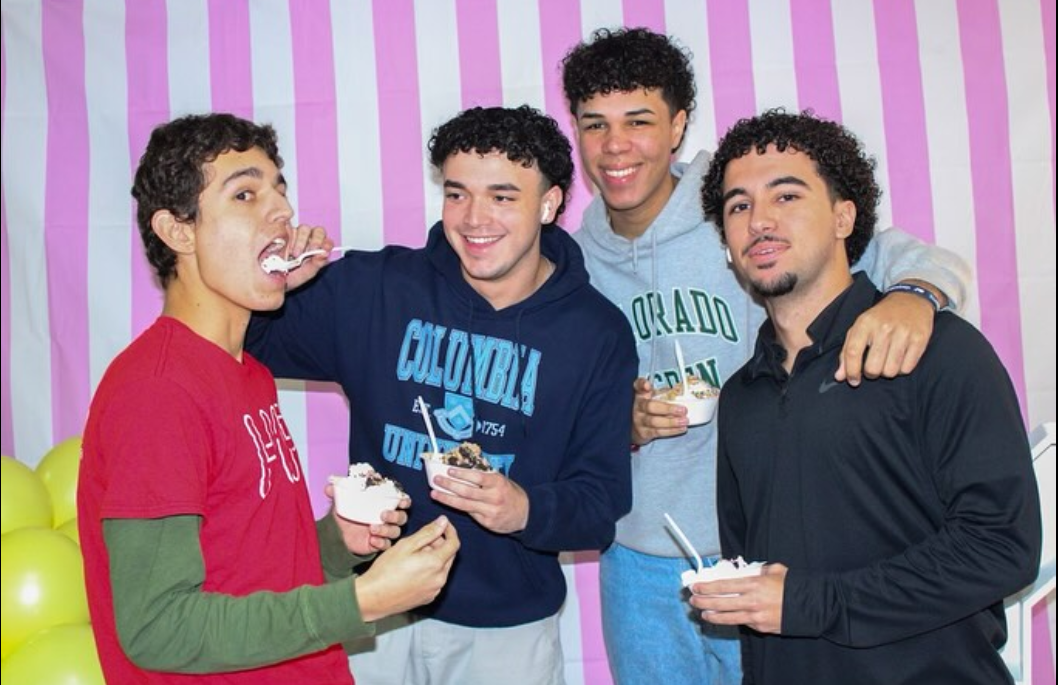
[[178, 427]]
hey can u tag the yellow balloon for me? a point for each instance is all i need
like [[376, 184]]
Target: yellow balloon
[[64, 655], [58, 472], [41, 584], [69, 529], [24, 501]]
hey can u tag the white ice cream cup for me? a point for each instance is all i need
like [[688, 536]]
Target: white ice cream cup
[[722, 570], [700, 410], [364, 505], [435, 466]]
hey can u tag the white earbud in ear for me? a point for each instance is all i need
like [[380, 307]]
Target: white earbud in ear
[[728, 251], [544, 214]]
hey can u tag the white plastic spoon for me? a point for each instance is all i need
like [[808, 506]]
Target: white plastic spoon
[[684, 542], [274, 262], [683, 372], [429, 424]]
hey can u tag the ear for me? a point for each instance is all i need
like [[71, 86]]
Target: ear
[[679, 127], [845, 211], [178, 235], [550, 203]]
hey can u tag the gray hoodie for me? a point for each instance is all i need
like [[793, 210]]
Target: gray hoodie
[[673, 283]]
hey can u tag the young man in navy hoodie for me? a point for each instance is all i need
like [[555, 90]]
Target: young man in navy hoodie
[[897, 515], [495, 326], [650, 250]]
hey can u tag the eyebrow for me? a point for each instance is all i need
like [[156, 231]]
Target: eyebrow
[[507, 187], [774, 183], [630, 113], [252, 172]]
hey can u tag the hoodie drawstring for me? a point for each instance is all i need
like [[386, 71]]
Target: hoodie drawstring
[[653, 304]]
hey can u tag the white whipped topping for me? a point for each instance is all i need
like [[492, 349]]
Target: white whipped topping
[[363, 478], [723, 569]]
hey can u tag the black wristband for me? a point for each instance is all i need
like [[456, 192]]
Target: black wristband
[[924, 293]]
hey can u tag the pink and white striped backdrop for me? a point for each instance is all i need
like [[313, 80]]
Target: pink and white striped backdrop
[[955, 97]]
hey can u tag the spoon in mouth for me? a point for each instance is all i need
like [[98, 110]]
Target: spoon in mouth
[[274, 263]]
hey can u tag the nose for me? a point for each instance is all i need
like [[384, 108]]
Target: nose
[[282, 211], [615, 141], [761, 219], [476, 214]]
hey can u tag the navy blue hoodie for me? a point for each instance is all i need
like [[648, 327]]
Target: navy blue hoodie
[[551, 403]]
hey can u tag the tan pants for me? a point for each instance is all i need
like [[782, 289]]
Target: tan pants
[[408, 651]]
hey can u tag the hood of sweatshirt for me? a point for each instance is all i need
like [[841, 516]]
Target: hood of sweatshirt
[[555, 244], [681, 215]]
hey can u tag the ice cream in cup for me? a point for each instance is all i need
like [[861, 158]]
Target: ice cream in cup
[[364, 494], [700, 399], [464, 456], [724, 569]]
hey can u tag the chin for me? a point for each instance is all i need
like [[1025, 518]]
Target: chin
[[777, 287]]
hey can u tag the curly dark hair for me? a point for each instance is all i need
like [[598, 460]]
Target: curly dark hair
[[171, 173], [839, 157], [522, 133], [624, 60]]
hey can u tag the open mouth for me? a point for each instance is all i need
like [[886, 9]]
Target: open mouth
[[271, 258]]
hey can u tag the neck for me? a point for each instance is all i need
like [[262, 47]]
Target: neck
[[793, 313], [501, 296], [633, 222], [208, 319]]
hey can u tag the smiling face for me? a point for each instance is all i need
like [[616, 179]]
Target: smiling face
[[243, 217], [493, 211], [625, 140], [784, 230]]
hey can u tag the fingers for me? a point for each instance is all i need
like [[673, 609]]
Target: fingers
[[887, 340], [497, 504], [851, 365], [426, 535], [304, 238], [653, 419], [395, 517]]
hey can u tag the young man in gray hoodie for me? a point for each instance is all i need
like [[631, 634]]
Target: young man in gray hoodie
[[649, 249]]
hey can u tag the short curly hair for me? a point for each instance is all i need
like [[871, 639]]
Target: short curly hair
[[839, 157], [524, 134], [171, 174], [624, 60]]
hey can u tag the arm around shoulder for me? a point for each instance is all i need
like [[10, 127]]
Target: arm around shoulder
[[895, 256]]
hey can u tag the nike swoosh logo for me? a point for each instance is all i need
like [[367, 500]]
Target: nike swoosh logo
[[827, 384]]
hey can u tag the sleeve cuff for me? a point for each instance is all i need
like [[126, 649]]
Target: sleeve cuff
[[804, 604], [338, 561], [334, 614]]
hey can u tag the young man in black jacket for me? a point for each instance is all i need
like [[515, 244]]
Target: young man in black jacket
[[895, 516]]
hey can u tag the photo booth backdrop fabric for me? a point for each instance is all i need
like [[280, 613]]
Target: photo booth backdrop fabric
[[955, 98]]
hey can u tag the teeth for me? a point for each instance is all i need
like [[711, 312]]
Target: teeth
[[481, 241], [620, 173]]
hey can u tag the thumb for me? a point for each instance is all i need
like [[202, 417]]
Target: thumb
[[426, 535]]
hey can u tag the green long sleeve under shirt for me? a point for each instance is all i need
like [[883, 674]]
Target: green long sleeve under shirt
[[166, 622]]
